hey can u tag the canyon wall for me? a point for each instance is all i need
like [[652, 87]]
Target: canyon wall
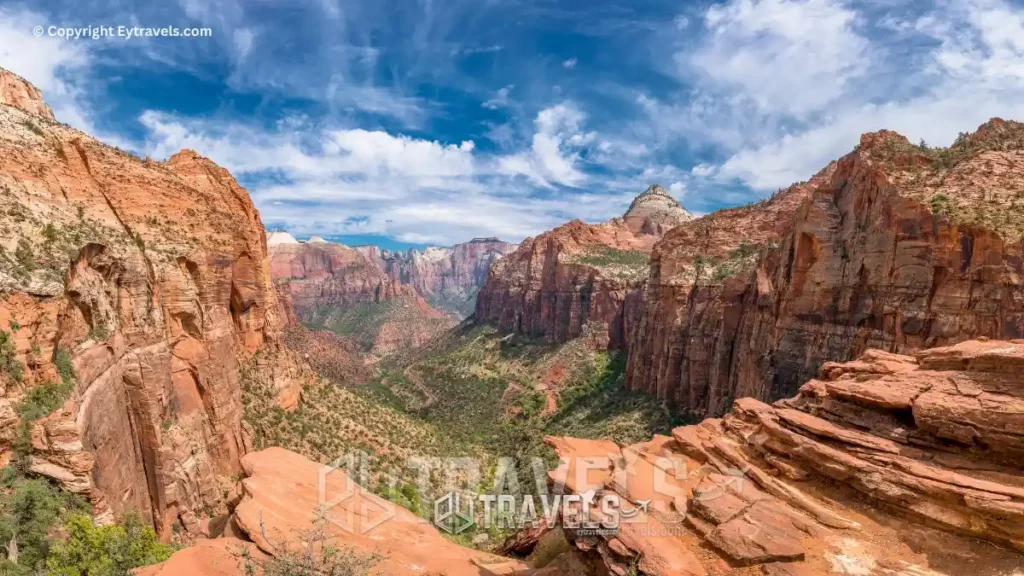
[[328, 274], [580, 278], [894, 247], [150, 282], [889, 465]]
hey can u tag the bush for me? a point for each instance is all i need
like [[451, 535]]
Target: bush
[[42, 400], [28, 512], [90, 550], [9, 363]]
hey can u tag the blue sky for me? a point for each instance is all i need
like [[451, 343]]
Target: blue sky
[[433, 121]]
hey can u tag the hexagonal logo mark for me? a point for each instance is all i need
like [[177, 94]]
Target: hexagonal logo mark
[[453, 514]]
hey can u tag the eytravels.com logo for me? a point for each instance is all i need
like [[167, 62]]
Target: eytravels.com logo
[[586, 513], [468, 496]]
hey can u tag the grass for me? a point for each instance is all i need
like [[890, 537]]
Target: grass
[[619, 264], [363, 322]]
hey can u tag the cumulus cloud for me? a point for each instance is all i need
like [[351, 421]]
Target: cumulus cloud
[[355, 181], [554, 154], [795, 82], [569, 64]]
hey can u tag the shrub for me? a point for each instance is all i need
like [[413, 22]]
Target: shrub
[[43, 399], [9, 363], [24, 256], [29, 509], [90, 550]]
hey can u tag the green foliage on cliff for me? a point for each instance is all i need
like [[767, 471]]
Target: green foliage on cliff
[[619, 264], [10, 366], [116, 550]]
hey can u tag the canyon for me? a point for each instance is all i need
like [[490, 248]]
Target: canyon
[[857, 341], [130, 324], [580, 278], [894, 246]]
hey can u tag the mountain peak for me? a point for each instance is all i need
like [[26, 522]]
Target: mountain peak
[[20, 93], [655, 209]]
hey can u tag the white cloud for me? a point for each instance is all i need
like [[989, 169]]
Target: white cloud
[[790, 56], [45, 62], [553, 157], [816, 83], [500, 99], [352, 181], [569, 64]]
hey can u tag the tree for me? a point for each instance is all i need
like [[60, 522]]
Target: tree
[[91, 550]]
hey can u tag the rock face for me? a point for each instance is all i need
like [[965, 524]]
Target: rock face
[[448, 278], [893, 246], [328, 274], [887, 465], [339, 288], [17, 92], [151, 280], [358, 522], [580, 276], [331, 274]]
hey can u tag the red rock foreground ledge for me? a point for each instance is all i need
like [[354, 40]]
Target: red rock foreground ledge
[[887, 465], [279, 505]]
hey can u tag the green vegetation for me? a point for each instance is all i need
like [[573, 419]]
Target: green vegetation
[[736, 261], [473, 394], [32, 127], [942, 205], [29, 511], [90, 550], [10, 366], [363, 322], [45, 530], [43, 399], [621, 264]]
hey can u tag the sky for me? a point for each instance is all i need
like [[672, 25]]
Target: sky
[[413, 122]]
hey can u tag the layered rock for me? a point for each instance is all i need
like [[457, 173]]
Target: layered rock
[[150, 280], [889, 465], [894, 246], [333, 286], [448, 278], [328, 274], [580, 277]]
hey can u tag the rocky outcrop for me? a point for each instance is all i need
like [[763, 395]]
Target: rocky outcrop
[[894, 246], [888, 465], [448, 278], [355, 521], [149, 280], [332, 286], [580, 277], [328, 274], [17, 92]]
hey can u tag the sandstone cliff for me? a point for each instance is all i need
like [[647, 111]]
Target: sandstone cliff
[[332, 286], [150, 280], [889, 465], [448, 278], [894, 246], [327, 274], [580, 277]]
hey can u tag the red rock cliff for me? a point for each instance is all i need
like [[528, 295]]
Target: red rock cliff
[[327, 274], [580, 277], [893, 247], [153, 277]]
